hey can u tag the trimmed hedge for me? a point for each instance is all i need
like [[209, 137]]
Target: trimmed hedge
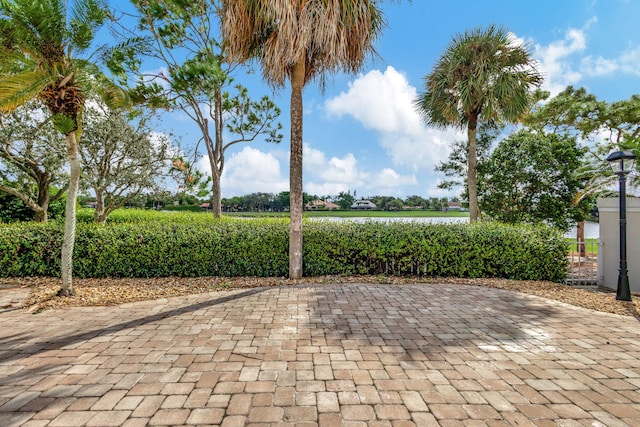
[[259, 247]]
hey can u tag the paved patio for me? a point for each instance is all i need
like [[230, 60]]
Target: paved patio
[[327, 355]]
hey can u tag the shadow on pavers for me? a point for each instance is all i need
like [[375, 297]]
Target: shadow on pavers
[[8, 354]]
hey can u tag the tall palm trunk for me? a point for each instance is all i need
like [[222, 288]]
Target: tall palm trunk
[[70, 215], [295, 171], [472, 160]]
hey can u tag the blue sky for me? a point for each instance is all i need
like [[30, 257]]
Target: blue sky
[[362, 134]]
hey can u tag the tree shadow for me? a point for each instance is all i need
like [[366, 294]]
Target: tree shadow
[[10, 353], [425, 322]]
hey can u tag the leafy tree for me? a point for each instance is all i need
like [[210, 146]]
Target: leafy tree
[[258, 202], [387, 202], [41, 43], [578, 113], [416, 201], [120, 159], [233, 204], [281, 201], [299, 40], [191, 181], [531, 177], [195, 77], [344, 200], [436, 204], [394, 205], [484, 76], [31, 158], [157, 199]]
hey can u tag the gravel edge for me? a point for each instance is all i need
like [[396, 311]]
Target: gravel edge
[[115, 291]]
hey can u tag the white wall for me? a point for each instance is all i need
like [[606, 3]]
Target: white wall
[[609, 252]]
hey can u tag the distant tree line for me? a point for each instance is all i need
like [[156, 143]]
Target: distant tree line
[[273, 202], [269, 202]]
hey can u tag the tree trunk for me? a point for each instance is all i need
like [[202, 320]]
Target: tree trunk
[[471, 171], [70, 216], [582, 250], [217, 162], [41, 215], [216, 197], [43, 201], [98, 213], [295, 171]]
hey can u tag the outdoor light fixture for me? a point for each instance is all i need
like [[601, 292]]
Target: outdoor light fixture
[[621, 163]]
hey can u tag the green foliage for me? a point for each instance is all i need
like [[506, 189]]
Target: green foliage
[[143, 216], [151, 244], [455, 167], [30, 249], [121, 158], [344, 200], [531, 177], [460, 250], [13, 209], [579, 113]]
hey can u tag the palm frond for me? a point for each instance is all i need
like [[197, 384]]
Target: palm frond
[[17, 89], [329, 36], [86, 16], [483, 73]]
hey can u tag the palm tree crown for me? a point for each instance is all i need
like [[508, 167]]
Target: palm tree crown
[[40, 43], [484, 75], [330, 35]]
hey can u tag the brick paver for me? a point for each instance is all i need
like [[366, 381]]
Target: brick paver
[[322, 355]]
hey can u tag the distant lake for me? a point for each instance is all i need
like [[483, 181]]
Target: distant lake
[[591, 229]]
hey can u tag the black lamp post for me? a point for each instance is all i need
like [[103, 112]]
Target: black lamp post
[[621, 163]]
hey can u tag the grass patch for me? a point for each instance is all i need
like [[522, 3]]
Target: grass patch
[[591, 246]]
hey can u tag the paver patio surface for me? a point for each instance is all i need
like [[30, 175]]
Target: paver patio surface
[[322, 355]]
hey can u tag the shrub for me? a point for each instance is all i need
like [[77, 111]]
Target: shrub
[[141, 245]]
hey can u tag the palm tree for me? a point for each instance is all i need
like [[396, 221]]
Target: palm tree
[[483, 76], [299, 40], [40, 41]]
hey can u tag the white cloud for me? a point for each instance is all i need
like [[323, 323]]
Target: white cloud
[[562, 64], [330, 176], [555, 60], [252, 170], [628, 63], [249, 171], [384, 102], [598, 66], [336, 170], [389, 183]]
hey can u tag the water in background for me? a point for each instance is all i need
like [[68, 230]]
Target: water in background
[[591, 229]]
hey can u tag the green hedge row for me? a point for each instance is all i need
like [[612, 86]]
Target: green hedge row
[[259, 247]]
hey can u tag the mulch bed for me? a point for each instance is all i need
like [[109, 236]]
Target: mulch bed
[[114, 291]]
